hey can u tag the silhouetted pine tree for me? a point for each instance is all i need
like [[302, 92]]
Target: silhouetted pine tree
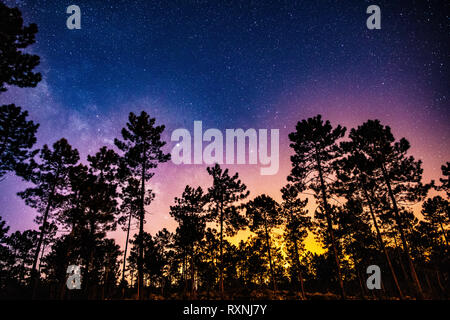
[[101, 195], [142, 147], [208, 267], [446, 180], [16, 67], [90, 211], [436, 212], [49, 238], [107, 261], [17, 136], [230, 269], [400, 175], [223, 198], [5, 254], [165, 244], [98, 219], [315, 149], [22, 246], [130, 209], [72, 219], [431, 252], [264, 215], [297, 224], [50, 177], [358, 240], [256, 261], [357, 179], [188, 211], [54, 266], [153, 258]]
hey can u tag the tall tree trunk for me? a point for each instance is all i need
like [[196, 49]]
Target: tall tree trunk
[[381, 242], [104, 284], [402, 235], [42, 256], [62, 289], [402, 265], [193, 291], [270, 256], [34, 273], [221, 251], [438, 277], [141, 236], [297, 261], [185, 273], [330, 227], [427, 279], [126, 248], [42, 233], [90, 263], [361, 286]]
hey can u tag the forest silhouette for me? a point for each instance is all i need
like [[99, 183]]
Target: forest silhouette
[[363, 184]]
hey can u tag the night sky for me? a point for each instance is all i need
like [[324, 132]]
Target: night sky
[[233, 64]]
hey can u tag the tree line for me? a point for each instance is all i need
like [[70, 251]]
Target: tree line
[[353, 192]]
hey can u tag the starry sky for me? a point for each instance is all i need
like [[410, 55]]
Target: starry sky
[[233, 64]]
